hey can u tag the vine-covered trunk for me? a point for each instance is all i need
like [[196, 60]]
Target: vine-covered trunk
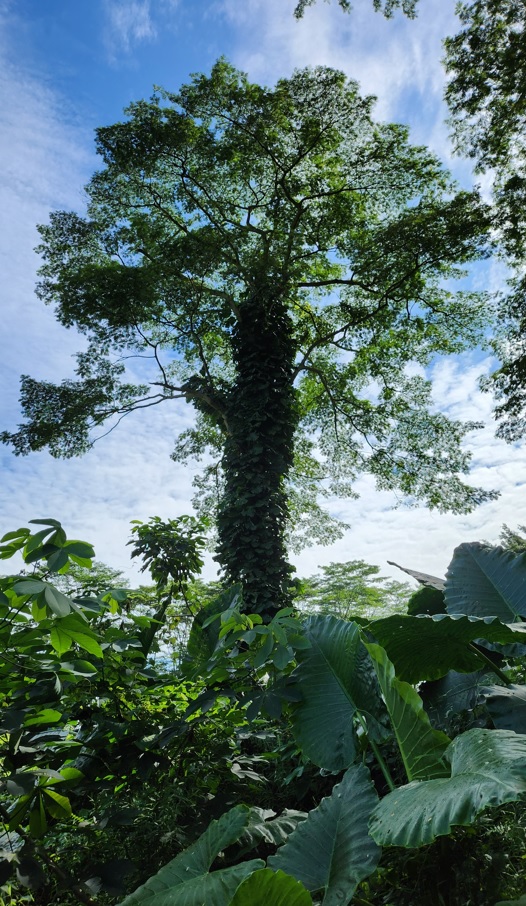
[[258, 455]]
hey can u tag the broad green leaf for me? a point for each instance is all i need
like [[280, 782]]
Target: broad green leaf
[[428, 647], [186, 881], [447, 699], [52, 522], [80, 549], [57, 560], [35, 541], [331, 851], [264, 826], [45, 716], [507, 707], [20, 533], [268, 888], [57, 805], [29, 586], [71, 630], [521, 902], [37, 818], [487, 581], [57, 602], [487, 769], [420, 746], [79, 668], [336, 678]]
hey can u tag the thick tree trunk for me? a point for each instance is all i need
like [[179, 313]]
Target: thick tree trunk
[[262, 419]]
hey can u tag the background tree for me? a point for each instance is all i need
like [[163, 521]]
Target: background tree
[[281, 259], [353, 589], [487, 99]]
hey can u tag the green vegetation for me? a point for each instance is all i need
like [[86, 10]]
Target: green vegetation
[[305, 760], [282, 259]]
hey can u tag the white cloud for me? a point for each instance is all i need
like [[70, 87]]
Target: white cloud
[[129, 22]]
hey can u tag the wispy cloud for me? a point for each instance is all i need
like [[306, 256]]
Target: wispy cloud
[[129, 22]]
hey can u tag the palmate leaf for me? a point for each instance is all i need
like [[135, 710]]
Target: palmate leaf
[[420, 746], [337, 680], [332, 851], [268, 888], [427, 647], [186, 881], [487, 769], [487, 582]]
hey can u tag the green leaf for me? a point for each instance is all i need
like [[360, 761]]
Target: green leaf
[[487, 769], [79, 668], [45, 716], [331, 850], [487, 581], [507, 707], [267, 828], [57, 805], [71, 630], [427, 647], [420, 746], [37, 818], [29, 586], [336, 679], [447, 699], [53, 522], [185, 880], [20, 533], [269, 888], [79, 549], [57, 602], [57, 560]]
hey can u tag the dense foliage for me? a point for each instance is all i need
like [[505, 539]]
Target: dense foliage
[[277, 763]]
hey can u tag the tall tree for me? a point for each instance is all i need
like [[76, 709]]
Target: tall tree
[[487, 99], [285, 262]]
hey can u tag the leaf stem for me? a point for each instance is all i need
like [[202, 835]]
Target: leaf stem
[[378, 755], [500, 673]]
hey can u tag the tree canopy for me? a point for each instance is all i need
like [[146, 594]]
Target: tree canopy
[[283, 262]]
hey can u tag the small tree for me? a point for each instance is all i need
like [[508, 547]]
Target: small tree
[[282, 259]]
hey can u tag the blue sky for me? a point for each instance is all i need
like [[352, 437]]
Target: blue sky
[[67, 67]]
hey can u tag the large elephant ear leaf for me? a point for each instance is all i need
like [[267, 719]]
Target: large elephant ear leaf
[[268, 888], [337, 680], [487, 769], [486, 581], [426, 648], [186, 881], [420, 746], [331, 851], [507, 707]]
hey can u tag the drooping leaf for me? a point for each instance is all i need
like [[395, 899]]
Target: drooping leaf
[[422, 578], [428, 647], [507, 707], [486, 581], [57, 602], [487, 769], [420, 746], [337, 680], [331, 851], [186, 881], [268, 888]]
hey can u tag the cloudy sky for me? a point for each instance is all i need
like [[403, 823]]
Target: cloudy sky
[[66, 68]]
